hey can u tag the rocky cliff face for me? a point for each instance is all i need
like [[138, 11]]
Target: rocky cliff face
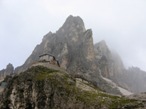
[[135, 79], [109, 63], [80, 82], [43, 88], [2, 74], [8, 71], [111, 67], [72, 45]]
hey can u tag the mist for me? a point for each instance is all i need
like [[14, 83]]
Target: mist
[[121, 24]]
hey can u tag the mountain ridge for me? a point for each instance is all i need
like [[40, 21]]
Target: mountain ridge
[[73, 47], [43, 88]]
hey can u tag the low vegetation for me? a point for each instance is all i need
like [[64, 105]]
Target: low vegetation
[[51, 89]]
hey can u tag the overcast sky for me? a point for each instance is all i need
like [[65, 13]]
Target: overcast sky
[[121, 23]]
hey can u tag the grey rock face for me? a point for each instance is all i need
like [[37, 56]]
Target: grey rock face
[[135, 79], [102, 49], [8, 71], [72, 45], [112, 67], [109, 63], [2, 74]]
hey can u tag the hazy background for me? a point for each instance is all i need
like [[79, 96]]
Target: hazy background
[[121, 23]]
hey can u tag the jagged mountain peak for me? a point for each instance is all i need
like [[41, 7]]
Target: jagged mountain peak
[[73, 22], [103, 42], [102, 46], [101, 49], [74, 19], [9, 70], [72, 45], [10, 65]]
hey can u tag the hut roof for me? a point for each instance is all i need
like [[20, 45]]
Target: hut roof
[[46, 55]]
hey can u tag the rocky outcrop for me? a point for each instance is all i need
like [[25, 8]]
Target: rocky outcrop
[[72, 45], [2, 74], [111, 67], [109, 63], [139, 96], [43, 88], [134, 78], [8, 71]]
